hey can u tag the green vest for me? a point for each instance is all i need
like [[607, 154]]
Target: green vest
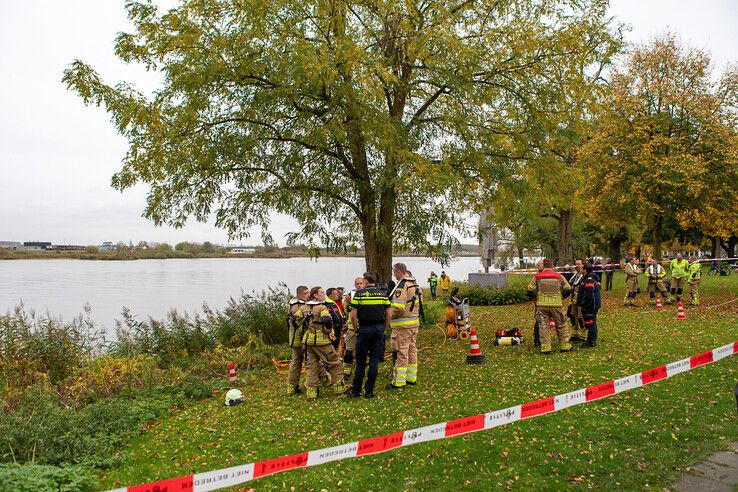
[[695, 271], [679, 268]]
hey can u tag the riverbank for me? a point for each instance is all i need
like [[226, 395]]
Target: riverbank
[[153, 254]]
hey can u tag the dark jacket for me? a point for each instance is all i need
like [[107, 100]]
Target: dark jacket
[[589, 296]]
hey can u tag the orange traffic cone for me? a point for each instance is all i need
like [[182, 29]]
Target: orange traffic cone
[[658, 303], [551, 324], [475, 353], [680, 312], [231, 371]]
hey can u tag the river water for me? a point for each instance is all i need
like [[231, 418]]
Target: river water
[[62, 288]]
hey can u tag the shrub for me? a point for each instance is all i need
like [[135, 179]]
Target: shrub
[[39, 429], [32, 477], [35, 349], [481, 296]]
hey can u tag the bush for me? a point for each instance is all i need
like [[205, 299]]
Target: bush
[[39, 429], [481, 296], [34, 350], [32, 478]]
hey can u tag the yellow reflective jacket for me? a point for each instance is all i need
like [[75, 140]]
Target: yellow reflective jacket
[[550, 288], [444, 282], [679, 268], [320, 325], [405, 304], [695, 273], [296, 321]]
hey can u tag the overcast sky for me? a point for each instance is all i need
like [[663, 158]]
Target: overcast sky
[[57, 156]]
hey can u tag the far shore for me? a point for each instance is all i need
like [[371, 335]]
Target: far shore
[[6, 254]]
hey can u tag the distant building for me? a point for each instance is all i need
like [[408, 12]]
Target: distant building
[[243, 250], [36, 245], [10, 245], [107, 246], [66, 247]]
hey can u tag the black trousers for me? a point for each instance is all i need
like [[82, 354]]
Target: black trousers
[[590, 323], [369, 344]]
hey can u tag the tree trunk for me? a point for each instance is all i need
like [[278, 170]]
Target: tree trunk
[[657, 237], [520, 257], [732, 243], [715, 246], [613, 248], [564, 248]]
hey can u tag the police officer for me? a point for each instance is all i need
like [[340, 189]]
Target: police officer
[[695, 277], [589, 299], [433, 283], [349, 335], [317, 340], [679, 274], [370, 315], [631, 281], [655, 274], [296, 316], [550, 288], [405, 299]]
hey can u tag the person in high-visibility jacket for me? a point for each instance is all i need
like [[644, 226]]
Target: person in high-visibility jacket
[[296, 326], [631, 281], [550, 288], [695, 277], [433, 283], [656, 274], [349, 335], [317, 340], [679, 275], [444, 282], [405, 307]]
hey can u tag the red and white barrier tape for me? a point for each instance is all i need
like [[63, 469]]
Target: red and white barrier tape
[[227, 477]]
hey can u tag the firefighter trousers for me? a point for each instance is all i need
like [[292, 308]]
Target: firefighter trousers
[[405, 354]]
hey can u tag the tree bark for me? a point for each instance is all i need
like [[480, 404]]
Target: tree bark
[[657, 237], [715, 245], [565, 253], [613, 249]]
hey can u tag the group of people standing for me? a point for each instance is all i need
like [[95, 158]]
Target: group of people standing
[[549, 289], [321, 323], [684, 273]]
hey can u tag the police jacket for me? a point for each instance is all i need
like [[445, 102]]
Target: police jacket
[[296, 316], [405, 301], [371, 306], [590, 296], [550, 288], [320, 324]]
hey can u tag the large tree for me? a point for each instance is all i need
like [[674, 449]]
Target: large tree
[[663, 144], [369, 121]]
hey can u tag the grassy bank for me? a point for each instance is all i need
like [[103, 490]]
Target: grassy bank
[[643, 438]]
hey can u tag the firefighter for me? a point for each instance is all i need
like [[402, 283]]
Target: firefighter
[[370, 315], [655, 274], [349, 335], [317, 340], [332, 296], [574, 312], [405, 299], [550, 288], [433, 283], [679, 274], [631, 281], [589, 299], [695, 276], [296, 324], [444, 282]]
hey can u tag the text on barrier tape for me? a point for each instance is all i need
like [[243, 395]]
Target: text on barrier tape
[[227, 477]]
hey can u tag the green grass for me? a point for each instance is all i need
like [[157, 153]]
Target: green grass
[[641, 438]]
